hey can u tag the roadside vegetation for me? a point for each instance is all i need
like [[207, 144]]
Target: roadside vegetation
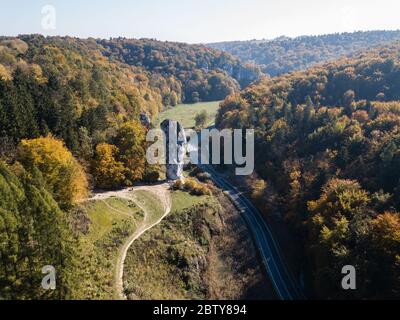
[[192, 186]]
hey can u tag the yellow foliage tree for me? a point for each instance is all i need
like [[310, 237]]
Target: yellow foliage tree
[[386, 233], [386, 246], [107, 171], [258, 189], [5, 75], [131, 142], [63, 175]]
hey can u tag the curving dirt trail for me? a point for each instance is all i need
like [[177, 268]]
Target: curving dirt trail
[[163, 194]]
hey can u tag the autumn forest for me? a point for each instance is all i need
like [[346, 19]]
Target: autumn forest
[[326, 115]]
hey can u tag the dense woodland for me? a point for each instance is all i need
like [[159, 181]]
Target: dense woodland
[[79, 90], [69, 122], [328, 157], [34, 231], [328, 149], [284, 54], [88, 92], [188, 73], [68, 88], [67, 116]]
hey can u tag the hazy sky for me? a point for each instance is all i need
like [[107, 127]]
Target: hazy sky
[[198, 20]]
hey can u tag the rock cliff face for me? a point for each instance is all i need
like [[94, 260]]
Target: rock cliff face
[[243, 73], [175, 148]]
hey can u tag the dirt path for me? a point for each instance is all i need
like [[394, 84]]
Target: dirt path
[[163, 194]]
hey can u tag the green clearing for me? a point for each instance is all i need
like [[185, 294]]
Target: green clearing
[[151, 204], [111, 222], [182, 200], [198, 252], [185, 113], [128, 207]]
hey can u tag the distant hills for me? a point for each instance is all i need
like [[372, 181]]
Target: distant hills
[[194, 72], [60, 85], [283, 54]]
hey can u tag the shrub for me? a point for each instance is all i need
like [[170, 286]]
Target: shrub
[[201, 119], [178, 185], [196, 188], [151, 176]]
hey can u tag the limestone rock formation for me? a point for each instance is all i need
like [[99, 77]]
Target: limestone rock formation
[[175, 148]]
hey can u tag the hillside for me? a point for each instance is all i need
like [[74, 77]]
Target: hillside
[[106, 224], [192, 73], [68, 88], [327, 162], [284, 54], [102, 227], [81, 90], [202, 250], [33, 231], [327, 166], [90, 93]]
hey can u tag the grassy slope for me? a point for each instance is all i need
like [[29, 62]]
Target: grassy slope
[[183, 200], [112, 221], [185, 113], [150, 270], [199, 252], [150, 204]]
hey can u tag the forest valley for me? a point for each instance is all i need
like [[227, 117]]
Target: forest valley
[[327, 143]]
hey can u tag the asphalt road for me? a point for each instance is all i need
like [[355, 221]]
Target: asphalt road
[[286, 286]]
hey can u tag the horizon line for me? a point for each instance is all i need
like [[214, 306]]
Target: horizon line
[[283, 37]]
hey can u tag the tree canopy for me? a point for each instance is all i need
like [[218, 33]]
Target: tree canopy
[[283, 55], [34, 232], [64, 176], [328, 147]]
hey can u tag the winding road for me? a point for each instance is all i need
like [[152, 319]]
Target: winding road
[[285, 285]]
